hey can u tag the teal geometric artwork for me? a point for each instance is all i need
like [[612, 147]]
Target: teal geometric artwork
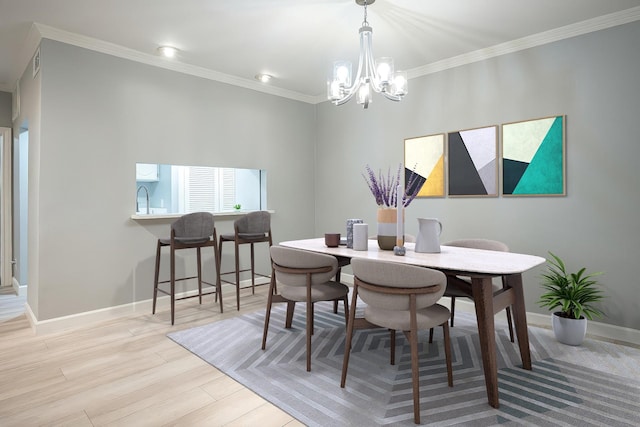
[[533, 158]]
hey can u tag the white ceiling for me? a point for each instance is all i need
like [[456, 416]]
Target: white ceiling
[[295, 40]]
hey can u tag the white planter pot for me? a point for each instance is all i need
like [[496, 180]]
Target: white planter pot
[[569, 331]]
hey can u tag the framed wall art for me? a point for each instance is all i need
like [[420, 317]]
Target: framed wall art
[[473, 162], [533, 157], [424, 156]]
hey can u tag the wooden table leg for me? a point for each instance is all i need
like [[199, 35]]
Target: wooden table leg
[[514, 281], [482, 291]]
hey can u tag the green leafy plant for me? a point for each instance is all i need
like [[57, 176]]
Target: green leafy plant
[[237, 207], [573, 293]]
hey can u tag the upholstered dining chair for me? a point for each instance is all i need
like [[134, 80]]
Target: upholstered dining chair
[[399, 297], [344, 261], [252, 228], [191, 231], [302, 276], [461, 287]]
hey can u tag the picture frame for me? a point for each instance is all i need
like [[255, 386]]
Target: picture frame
[[534, 157], [473, 162], [424, 156]]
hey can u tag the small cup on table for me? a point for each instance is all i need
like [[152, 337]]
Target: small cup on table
[[332, 240]]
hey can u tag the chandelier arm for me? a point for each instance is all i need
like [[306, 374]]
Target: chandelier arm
[[391, 97], [345, 99], [371, 71], [357, 81]]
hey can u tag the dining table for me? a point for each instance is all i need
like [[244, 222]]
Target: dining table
[[480, 266]]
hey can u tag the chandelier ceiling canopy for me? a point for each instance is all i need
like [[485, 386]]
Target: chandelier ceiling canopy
[[372, 76]]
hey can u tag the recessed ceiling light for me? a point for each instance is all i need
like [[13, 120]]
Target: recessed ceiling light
[[264, 78], [168, 51]]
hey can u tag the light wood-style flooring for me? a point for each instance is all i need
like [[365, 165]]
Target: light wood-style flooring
[[124, 372]]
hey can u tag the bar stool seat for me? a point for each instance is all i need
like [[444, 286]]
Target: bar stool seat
[[252, 228], [191, 231]]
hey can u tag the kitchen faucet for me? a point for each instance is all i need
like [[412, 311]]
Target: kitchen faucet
[[137, 193]]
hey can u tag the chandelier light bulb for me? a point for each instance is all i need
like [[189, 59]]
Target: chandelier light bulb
[[343, 75], [400, 83], [384, 66], [364, 95]]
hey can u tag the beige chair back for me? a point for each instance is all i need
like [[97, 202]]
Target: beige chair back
[[296, 258], [486, 244], [394, 275]]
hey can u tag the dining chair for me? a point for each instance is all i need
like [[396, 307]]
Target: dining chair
[[399, 297], [458, 286], [191, 231], [251, 228], [302, 276], [345, 261]]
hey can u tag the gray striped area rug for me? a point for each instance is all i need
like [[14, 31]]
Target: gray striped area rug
[[596, 384]]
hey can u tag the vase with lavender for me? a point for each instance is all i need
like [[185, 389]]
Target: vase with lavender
[[384, 189]]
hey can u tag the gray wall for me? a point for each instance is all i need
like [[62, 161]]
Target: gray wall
[[101, 115], [593, 79], [5, 109]]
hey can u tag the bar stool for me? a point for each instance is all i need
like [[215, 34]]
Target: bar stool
[[191, 231], [254, 227]]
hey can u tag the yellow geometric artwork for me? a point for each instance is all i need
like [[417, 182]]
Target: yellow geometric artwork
[[424, 156]]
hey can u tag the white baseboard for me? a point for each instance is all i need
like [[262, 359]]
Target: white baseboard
[[598, 330], [20, 290], [58, 324], [595, 329]]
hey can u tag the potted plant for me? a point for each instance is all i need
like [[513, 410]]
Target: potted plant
[[574, 295]]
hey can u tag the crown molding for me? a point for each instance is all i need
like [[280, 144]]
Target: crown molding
[[557, 34], [112, 49], [39, 31]]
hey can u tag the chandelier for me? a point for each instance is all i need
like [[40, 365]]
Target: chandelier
[[378, 76]]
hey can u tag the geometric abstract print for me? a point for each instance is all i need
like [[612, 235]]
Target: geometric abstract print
[[533, 157], [473, 163], [424, 156]]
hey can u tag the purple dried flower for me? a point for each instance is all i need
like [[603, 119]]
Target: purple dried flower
[[384, 188], [413, 185]]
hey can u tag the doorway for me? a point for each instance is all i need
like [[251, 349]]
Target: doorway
[[20, 210], [6, 253]]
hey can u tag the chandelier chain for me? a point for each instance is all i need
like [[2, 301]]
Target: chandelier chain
[[365, 23]]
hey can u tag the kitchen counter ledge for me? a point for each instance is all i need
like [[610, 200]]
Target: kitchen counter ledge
[[147, 217]]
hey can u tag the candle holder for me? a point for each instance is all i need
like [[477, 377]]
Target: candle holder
[[350, 223]]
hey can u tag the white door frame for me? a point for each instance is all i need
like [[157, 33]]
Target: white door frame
[[6, 250]]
